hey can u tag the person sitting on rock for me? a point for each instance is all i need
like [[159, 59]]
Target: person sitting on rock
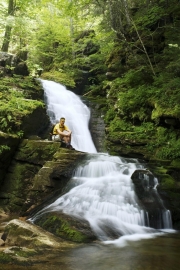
[[62, 133]]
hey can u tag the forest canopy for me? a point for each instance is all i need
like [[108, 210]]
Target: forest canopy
[[123, 52]]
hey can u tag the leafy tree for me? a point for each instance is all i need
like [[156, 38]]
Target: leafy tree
[[7, 35], [18, 16]]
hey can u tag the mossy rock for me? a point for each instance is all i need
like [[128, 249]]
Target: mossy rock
[[175, 164], [127, 151], [18, 256], [6, 258], [66, 227], [167, 182], [16, 186], [8, 145], [36, 151], [159, 170], [26, 234]]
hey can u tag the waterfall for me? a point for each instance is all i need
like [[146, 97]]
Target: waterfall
[[101, 189], [61, 102]]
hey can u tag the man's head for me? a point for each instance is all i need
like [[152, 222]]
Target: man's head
[[62, 121]]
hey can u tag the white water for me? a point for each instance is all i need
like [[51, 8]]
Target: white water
[[64, 103], [101, 190]]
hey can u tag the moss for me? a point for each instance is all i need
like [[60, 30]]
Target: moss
[[36, 151], [66, 227], [59, 77], [175, 164], [66, 231], [19, 99], [16, 186], [160, 170], [167, 182], [23, 252], [63, 229], [16, 180], [17, 256], [6, 258]]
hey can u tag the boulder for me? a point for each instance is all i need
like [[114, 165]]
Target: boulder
[[151, 200], [38, 170], [9, 144], [21, 69], [66, 227], [13, 64], [23, 233], [6, 59]]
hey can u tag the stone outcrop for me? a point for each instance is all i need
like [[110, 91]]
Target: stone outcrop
[[35, 123], [66, 227], [16, 122], [38, 170], [9, 144], [13, 64], [154, 201], [97, 127], [25, 234]]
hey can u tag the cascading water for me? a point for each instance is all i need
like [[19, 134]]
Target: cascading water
[[64, 103], [102, 190]]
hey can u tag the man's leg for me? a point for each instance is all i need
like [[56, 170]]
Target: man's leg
[[64, 139], [67, 140], [56, 138]]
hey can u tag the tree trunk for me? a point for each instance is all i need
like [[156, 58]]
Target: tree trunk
[[126, 11], [7, 34]]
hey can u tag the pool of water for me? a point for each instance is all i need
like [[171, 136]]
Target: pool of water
[[160, 253], [152, 254]]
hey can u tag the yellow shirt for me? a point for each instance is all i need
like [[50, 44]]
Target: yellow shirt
[[61, 129]]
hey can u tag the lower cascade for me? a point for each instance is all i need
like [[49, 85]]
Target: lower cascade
[[102, 192]]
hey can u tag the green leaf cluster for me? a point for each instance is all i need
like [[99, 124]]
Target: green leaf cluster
[[15, 104]]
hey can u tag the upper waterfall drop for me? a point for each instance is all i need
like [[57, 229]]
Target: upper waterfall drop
[[61, 102]]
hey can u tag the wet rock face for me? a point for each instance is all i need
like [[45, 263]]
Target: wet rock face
[[97, 128], [144, 182], [39, 170], [96, 125], [145, 186], [155, 201]]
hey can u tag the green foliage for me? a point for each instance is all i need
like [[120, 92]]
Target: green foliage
[[145, 130], [110, 114], [167, 144], [50, 44], [134, 102], [4, 148], [66, 37], [59, 76], [154, 13], [6, 258], [15, 104], [119, 125]]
